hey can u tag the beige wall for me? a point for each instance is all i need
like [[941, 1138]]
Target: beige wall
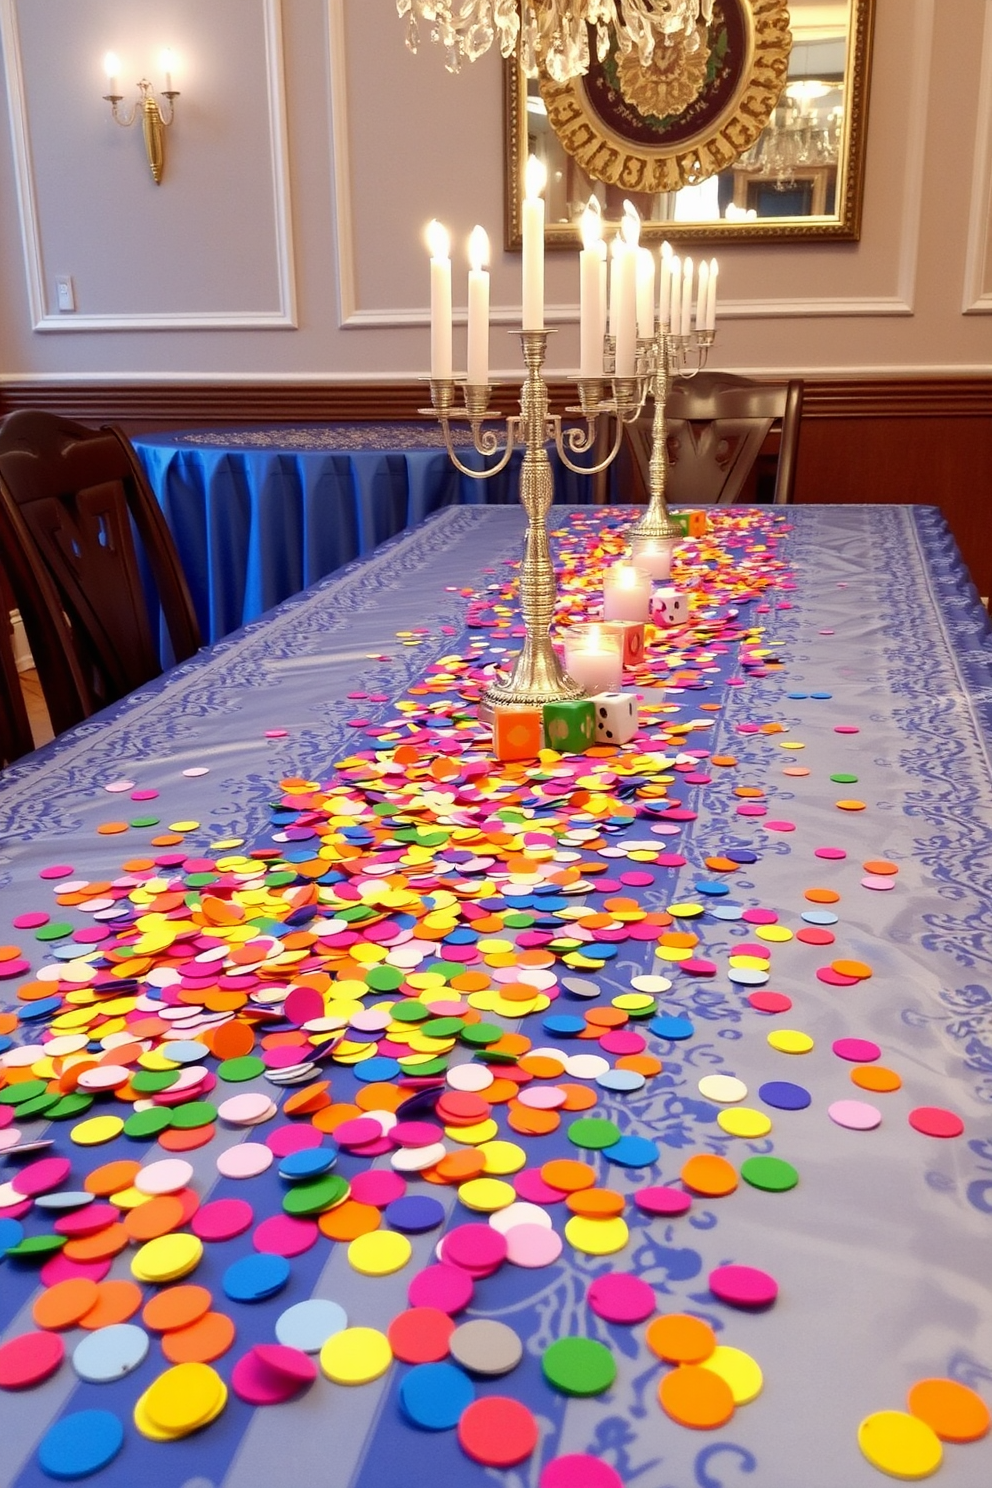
[[310, 148]]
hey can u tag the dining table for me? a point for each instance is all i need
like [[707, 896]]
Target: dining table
[[260, 513], [375, 1112]]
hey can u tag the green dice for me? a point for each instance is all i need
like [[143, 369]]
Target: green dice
[[570, 727]]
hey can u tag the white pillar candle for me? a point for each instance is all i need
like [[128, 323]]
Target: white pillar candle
[[701, 295], [478, 308], [167, 62], [616, 249], [439, 244], [591, 307], [711, 296], [665, 286], [675, 307], [626, 266], [653, 556], [686, 296], [533, 256], [593, 658], [112, 66], [645, 294], [626, 593]]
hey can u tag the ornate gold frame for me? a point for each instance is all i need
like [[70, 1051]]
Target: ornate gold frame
[[637, 170]]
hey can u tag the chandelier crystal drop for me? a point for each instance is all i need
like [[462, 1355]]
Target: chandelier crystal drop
[[554, 34]]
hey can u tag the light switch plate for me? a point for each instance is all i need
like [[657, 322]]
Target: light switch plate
[[66, 293]]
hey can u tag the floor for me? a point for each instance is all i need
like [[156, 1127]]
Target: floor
[[41, 728]]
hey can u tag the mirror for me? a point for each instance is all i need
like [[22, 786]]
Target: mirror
[[752, 137]]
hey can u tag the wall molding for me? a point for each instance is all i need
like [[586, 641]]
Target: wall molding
[[225, 400], [283, 317], [978, 299]]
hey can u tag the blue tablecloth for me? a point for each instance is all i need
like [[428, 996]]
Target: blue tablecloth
[[260, 514], [882, 1250]]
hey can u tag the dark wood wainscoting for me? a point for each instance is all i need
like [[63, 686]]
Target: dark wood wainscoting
[[908, 439]]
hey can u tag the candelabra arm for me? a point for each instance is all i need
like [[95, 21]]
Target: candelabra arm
[[579, 441], [486, 444]]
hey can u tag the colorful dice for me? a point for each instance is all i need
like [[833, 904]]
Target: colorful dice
[[631, 636], [616, 717], [517, 733], [569, 727], [669, 607]]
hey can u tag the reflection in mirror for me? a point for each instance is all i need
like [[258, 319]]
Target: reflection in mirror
[[800, 176]]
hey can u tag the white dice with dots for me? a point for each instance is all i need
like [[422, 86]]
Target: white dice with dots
[[616, 717], [669, 607]]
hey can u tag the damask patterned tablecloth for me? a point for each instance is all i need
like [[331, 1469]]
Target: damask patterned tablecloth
[[882, 1252], [258, 514]]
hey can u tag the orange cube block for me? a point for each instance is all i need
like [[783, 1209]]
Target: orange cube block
[[518, 733], [699, 523]]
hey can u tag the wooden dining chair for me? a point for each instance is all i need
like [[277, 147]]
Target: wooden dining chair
[[717, 425], [73, 502], [15, 729]]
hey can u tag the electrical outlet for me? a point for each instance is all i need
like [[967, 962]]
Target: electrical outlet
[[66, 293]]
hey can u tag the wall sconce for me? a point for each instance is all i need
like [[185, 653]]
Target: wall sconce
[[155, 118]]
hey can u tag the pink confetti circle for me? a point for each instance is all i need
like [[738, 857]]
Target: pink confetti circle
[[859, 1051], [621, 1299], [447, 1288], [831, 853], [743, 1286], [578, 1470], [222, 1219], [532, 1246], [284, 1235], [663, 1200], [855, 1115]]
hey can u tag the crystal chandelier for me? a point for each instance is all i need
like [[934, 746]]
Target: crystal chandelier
[[554, 34]]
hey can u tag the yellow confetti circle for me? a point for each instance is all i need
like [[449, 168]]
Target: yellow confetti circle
[[597, 1237], [96, 1130], [355, 1356], [502, 1158], [167, 1259], [472, 1136], [182, 1400], [379, 1253], [739, 1370], [851, 806], [774, 934], [741, 1121], [790, 1041], [486, 1195], [900, 1444]]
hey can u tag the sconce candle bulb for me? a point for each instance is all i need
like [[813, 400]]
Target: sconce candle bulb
[[155, 116]]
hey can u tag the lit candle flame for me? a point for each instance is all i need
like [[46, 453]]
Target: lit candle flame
[[438, 239], [592, 224], [535, 178], [478, 249], [111, 64]]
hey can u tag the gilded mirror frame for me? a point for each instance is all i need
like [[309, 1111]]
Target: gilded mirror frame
[[760, 65]]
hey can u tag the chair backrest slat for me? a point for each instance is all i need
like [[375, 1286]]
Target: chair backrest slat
[[72, 500]]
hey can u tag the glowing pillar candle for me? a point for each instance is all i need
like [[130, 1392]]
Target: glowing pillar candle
[[702, 296], [675, 304], [645, 294], [592, 308], [478, 309], [653, 556], [711, 296], [626, 593], [665, 286], [686, 296], [533, 255], [625, 275], [593, 658], [439, 244]]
